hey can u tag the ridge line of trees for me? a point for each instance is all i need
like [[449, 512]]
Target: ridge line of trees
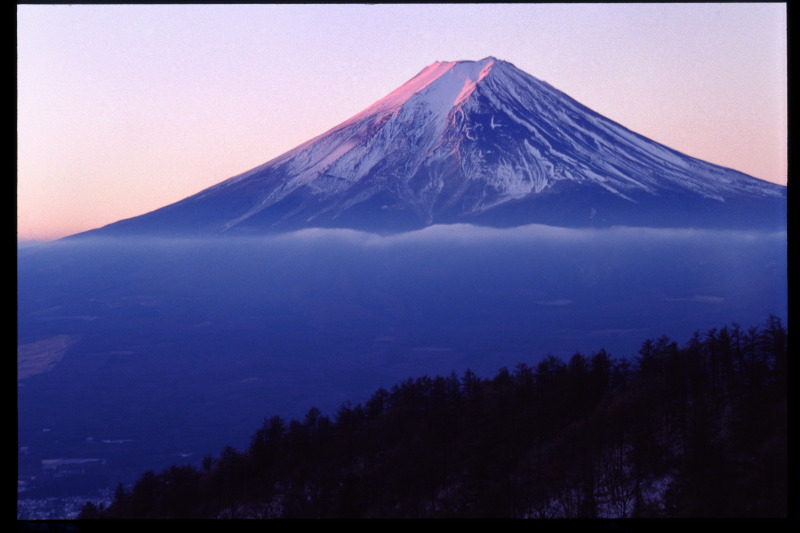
[[698, 430]]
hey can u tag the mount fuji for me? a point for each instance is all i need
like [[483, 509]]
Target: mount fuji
[[478, 142]]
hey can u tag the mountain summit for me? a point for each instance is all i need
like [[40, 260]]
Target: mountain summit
[[477, 142]]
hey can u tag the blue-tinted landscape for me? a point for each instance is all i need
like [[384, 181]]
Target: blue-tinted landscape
[[477, 297], [164, 351]]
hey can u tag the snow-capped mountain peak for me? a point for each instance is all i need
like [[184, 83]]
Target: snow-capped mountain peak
[[442, 85], [479, 142]]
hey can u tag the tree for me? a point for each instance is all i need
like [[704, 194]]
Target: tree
[[589, 437], [90, 511]]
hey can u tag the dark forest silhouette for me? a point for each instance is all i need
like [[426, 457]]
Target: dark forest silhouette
[[698, 430]]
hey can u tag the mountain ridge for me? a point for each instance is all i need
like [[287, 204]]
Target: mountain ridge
[[476, 142]]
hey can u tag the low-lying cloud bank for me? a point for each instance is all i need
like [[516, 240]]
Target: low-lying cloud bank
[[451, 234], [470, 234]]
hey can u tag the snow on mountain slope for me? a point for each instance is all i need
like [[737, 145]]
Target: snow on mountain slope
[[472, 141]]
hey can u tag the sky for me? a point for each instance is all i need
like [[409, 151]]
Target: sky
[[122, 109]]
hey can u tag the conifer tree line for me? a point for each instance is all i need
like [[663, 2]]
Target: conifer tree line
[[697, 430]]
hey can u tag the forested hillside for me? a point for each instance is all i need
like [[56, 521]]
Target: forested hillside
[[679, 430]]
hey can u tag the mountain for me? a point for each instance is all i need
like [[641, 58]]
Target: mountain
[[478, 142]]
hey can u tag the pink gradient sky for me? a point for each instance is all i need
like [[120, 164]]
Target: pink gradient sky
[[125, 109]]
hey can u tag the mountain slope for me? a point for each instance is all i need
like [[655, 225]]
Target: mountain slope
[[477, 142]]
